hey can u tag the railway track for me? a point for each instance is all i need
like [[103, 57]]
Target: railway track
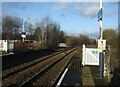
[[6, 73], [20, 58], [9, 71], [27, 73]]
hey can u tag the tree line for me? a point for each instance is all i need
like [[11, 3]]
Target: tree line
[[111, 36], [48, 33], [80, 40]]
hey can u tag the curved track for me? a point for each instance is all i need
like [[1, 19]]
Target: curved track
[[29, 72]]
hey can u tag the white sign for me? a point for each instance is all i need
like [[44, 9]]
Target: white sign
[[23, 36], [3, 45], [101, 44]]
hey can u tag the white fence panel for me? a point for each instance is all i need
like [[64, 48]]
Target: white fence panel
[[1, 45], [6, 45], [10, 45], [90, 56]]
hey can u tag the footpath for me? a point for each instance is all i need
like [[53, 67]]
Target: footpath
[[91, 77]]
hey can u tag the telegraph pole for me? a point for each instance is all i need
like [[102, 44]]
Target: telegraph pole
[[101, 44], [101, 33]]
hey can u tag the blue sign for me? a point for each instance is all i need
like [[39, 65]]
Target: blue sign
[[100, 15]]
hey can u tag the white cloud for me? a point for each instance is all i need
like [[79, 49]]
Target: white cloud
[[60, 6], [94, 34], [58, 0], [87, 9], [62, 15], [110, 12]]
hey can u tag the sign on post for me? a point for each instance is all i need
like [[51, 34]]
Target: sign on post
[[23, 35], [101, 44], [100, 15]]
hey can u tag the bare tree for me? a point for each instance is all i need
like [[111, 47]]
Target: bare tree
[[10, 27], [84, 39], [49, 32], [62, 37], [29, 29], [38, 35], [72, 41]]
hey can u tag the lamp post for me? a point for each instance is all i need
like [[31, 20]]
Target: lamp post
[[23, 30]]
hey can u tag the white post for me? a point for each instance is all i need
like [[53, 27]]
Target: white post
[[101, 22], [23, 25], [5, 45], [23, 29], [83, 56]]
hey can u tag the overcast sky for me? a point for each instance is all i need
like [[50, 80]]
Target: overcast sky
[[74, 17]]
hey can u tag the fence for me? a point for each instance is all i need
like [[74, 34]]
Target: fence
[[90, 56], [6, 45], [3, 45]]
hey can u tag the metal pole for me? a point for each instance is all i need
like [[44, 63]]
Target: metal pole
[[101, 22], [23, 25], [23, 29], [101, 64]]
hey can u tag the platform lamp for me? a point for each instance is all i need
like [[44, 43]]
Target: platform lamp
[[23, 35]]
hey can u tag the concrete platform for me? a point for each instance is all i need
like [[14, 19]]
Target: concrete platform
[[6, 54], [72, 78]]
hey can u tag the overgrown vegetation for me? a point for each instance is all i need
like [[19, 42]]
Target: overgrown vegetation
[[79, 41], [111, 36]]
